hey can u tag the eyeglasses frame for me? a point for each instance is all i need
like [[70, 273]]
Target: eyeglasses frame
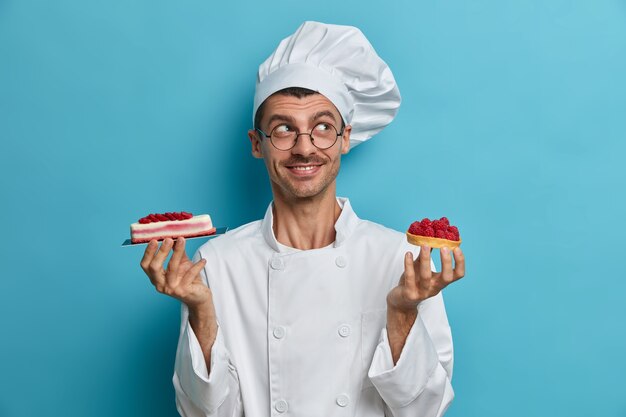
[[298, 134]]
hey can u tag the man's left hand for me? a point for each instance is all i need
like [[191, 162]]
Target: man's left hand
[[417, 283]]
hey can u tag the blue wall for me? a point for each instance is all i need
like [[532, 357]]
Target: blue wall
[[513, 125]]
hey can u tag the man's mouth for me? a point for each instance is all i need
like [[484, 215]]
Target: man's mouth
[[304, 169]]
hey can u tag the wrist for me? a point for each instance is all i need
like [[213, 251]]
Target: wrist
[[401, 316]]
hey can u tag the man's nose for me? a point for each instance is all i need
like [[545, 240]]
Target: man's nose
[[304, 144]]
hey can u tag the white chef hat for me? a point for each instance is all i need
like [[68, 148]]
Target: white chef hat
[[339, 63]]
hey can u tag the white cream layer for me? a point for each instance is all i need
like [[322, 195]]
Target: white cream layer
[[195, 225]]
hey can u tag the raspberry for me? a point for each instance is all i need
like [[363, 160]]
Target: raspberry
[[415, 228], [440, 228], [168, 216], [428, 231], [439, 225]]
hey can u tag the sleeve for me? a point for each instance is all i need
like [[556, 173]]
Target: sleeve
[[420, 382], [200, 393]]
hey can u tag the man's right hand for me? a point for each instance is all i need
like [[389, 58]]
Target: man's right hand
[[181, 280]]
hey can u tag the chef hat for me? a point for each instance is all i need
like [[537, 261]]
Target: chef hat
[[340, 63]]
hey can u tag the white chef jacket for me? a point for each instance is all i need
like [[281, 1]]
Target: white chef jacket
[[302, 333]]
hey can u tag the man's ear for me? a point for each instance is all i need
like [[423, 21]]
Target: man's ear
[[255, 141], [345, 140]]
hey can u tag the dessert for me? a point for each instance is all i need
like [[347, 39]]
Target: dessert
[[435, 233], [160, 226]]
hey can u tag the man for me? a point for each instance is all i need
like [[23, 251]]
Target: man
[[311, 311]]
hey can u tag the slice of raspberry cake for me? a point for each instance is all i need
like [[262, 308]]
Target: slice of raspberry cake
[[436, 233], [160, 226]]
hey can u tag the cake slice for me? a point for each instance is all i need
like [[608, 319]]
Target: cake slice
[[436, 233], [180, 224]]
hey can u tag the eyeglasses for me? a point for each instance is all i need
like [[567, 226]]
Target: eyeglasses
[[283, 137]]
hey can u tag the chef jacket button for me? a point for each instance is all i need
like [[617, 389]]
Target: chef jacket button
[[343, 400], [341, 262], [276, 263], [344, 330], [279, 332], [281, 406]]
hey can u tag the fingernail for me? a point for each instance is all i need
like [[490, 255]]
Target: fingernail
[[445, 250]]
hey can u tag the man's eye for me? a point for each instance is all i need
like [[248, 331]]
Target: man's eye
[[322, 127], [282, 129]]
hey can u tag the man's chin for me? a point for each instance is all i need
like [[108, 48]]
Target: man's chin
[[305, 192], [304, 188]]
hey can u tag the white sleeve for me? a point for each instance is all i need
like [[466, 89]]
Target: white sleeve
[[420, 382], [200, 393]]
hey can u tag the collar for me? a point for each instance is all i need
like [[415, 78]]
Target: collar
[[345, 225]]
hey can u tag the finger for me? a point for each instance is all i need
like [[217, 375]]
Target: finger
[[179, 250], [446, 266], [156, 266], [459, 264], [409, 271], [424, 271], [148, 255], [184, 265], [193, 272]]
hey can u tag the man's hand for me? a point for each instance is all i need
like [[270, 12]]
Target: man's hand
[[418, 283], [182, 281]]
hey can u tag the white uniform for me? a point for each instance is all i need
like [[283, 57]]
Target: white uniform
[[302, 333]]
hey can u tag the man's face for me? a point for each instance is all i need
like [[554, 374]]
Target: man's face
[[303, 171]]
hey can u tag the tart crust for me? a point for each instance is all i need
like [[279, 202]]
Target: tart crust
[[433, 242]]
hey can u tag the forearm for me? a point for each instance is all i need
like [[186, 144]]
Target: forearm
[[204, 325], [399, 324], [419, 382], [198, 392]]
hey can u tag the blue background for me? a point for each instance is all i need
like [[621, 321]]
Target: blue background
[[512, 124]]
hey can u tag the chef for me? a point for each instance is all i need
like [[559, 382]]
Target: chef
[[311, 311]]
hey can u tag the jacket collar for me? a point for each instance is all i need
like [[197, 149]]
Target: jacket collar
[[345, 225]]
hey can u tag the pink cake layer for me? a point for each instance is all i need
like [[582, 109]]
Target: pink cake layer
[[160, 238], [196, 226]]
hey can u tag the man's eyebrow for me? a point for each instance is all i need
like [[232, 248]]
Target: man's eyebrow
[[280, 117], [322, 114], [286, 118]]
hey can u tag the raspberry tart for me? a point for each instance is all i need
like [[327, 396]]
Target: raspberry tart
[[435, 233], [159, 226]]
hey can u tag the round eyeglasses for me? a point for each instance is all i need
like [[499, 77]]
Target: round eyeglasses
[[283, 137]]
